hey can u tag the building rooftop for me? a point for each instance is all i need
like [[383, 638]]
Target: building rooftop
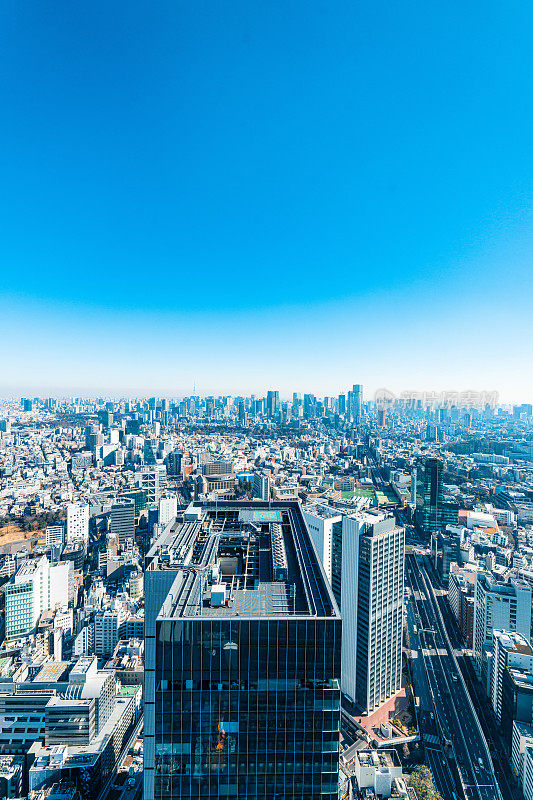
[[521, 678], [514, 642], [321, 510], [242, 559]]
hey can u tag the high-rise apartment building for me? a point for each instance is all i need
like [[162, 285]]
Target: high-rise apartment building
[[372, 588], [498, 606], [55, 535], [242, 669], [509, 650], [168, 507], [261, 486], [107, 624], [77, 522]]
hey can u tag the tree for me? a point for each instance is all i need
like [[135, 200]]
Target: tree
[[421, 781]]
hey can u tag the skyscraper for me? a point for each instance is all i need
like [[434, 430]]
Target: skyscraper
[[357, 402], [372, 585], [434, 513], [272, 403], [242, 694]]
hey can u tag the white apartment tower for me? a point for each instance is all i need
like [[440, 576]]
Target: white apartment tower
[[498, 606], [168, 508], [55, 535], [106, 630], [77, 522], [372, 587], [508, 650]]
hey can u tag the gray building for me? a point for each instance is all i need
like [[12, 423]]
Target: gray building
[[123, 520], [242, 669]]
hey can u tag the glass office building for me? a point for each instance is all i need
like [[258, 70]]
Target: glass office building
[[242, 658]]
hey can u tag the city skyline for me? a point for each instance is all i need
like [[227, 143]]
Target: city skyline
[[300, 194]]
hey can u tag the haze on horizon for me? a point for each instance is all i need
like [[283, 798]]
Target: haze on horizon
[[296, 196]]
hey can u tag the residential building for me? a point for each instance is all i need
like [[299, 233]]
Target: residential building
[[372, 587], [517, 700], [498, 606], [509, 650], [55, 535], [261, 486], [168, 507], [522, 738], [77, 522], [107, 624]]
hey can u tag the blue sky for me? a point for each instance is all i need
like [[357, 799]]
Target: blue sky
[[249, 195]]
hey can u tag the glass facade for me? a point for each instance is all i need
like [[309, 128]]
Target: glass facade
[[336, 560], [433, 514], [247, 708]]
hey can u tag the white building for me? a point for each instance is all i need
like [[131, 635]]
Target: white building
[[84, 641], [379, 771], [168, 508], [27, 596], [325, 526], [37, 586], [508, 650], [55, 535], [61, 584], [77, 522], [527, 785], [372, 586], [522, 738], [106, 629], [498, 606]]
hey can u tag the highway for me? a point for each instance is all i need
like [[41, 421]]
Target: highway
[[455, 718], [500, 759], [427, 722]]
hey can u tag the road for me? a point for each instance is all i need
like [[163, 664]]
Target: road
[[428, 693], [501, 763], [454, 715]]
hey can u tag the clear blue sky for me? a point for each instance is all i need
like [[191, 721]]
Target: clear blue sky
[[248, 195]]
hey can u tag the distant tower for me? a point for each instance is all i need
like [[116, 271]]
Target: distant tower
[[357, 400], [413, 486]]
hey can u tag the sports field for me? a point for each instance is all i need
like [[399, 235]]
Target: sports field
[[358, 492]]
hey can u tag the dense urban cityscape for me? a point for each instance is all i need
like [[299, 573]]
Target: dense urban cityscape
[[266, 597]]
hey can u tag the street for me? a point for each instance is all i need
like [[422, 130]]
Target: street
[[454, 716]]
